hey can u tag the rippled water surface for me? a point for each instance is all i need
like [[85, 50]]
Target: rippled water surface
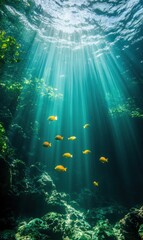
[[82, 23]]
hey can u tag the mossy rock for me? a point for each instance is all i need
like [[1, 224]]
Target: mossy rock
[[33, 230], [81, 235]]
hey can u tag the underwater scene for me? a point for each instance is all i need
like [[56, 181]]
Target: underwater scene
[[71, 120]]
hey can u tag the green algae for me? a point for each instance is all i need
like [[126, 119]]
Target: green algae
[[9, 49], [3, 141], [127, 107]]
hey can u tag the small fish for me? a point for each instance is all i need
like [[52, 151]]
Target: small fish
[[72, 138], [86, 151], [52, 118], [60, 168], [59, 137], [96, 184], [86, 125], [47, 144], [67, 155], [103, 159]]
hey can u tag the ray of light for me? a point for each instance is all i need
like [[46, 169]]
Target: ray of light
[[88, 84]]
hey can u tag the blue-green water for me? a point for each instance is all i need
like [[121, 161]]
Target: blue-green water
[[82, 62]]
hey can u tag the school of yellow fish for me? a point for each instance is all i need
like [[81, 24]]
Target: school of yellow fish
[[61, 168]]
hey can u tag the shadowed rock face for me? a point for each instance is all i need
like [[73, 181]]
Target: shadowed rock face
[[140, 231], [131, 224], [5, 176]]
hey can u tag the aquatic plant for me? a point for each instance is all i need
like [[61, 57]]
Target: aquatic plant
[[128, 107], [9, 49], [10, 87], [5, 149], [42, 87], [3, 140]]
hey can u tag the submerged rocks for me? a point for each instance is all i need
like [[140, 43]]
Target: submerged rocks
[[130, 225], [52, 226], [46, 182], [104, 230], [112, 213], [33, 230], [48, 214], [18, 170], [140, 231]]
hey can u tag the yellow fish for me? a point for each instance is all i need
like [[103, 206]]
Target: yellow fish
[[72, 138], [86, 125], [60, 168], [86, 151], [67, 155], [59, 137], [47, 144], [96, 184], [52, 118], [103, 159]]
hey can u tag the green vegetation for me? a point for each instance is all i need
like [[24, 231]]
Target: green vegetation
[[9, 49], [11, 87], [42, 88], [3, 141], [5, 150], [32, 85], [127, 107]]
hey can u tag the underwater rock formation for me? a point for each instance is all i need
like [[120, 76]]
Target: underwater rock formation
[[112, 213], [72, 225], [130, 225], [34, 209], [140, 231]]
